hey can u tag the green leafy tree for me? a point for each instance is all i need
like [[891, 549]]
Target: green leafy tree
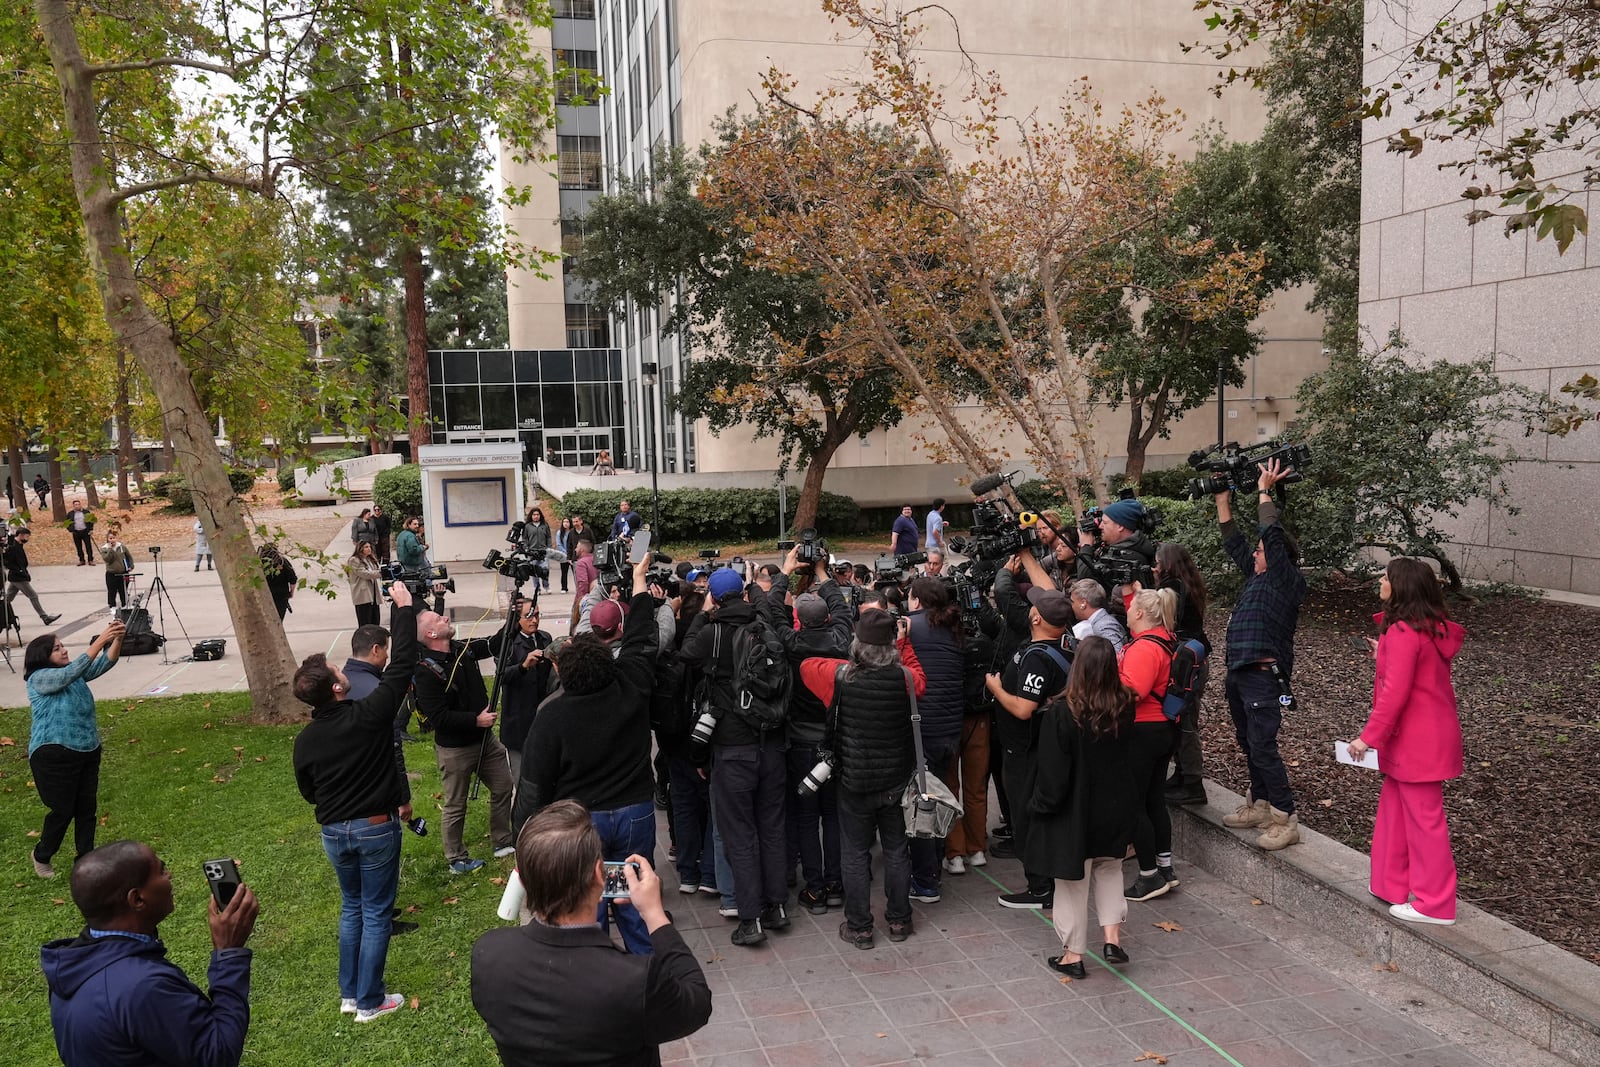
[[1402, 446], [773, 350], [134, 133], [1161, 356]]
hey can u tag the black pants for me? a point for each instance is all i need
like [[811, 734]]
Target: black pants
[[68, 782], [747, 784], [863, 818], [368, 615], [818, 856], [1148, 751], [1020, 770], [116, 589], [83, 541], [927, 853], [566, 569], [1257, 715], [997, 771], [691, 807]]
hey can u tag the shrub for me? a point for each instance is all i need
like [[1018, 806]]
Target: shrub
[[726, 515], [398, 490], [181, 500]]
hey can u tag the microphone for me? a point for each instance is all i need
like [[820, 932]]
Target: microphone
[[988, 484], [555, 555]]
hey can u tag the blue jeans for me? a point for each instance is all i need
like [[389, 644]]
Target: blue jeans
[[623, 832], [366, 858]]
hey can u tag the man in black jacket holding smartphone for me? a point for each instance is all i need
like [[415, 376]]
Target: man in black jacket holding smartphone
[[344, 765]]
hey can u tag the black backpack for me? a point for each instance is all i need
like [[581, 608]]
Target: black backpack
[[1185, 658], [761, 675], [671, 704]]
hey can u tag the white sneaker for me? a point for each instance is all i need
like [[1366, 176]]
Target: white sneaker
[[954, 865], [978, 859], [1410, 914], [505, 850], [391, 1004], [347, 1005], [728, 913]]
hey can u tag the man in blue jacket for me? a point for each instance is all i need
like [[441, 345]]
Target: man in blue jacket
[[115, 999]]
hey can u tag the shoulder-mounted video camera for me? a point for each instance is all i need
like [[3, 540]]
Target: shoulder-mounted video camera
[[1234, 467]]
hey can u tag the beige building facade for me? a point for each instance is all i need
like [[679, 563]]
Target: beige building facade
[[673, 67], [1462, 292]]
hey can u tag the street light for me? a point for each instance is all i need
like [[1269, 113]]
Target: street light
[[648, 373]]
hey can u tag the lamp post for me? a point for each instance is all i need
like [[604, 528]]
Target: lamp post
[[648, 373]]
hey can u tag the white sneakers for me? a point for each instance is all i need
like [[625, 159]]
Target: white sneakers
[[391, 1004], [1410, 914], [978, 859], [505, 850], [347, 1005], [955, 865]]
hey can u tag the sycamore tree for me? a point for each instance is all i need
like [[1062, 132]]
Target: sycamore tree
[[1402, 445], [964, 246], [1163, 357], [253, 130], [772, 351]]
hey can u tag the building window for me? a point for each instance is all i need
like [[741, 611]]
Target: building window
[[635, 101], [587, 327], [571, 243], [652, 56], [578, 162], [672, 29], [572, 9], [616, 35], [577, 75]]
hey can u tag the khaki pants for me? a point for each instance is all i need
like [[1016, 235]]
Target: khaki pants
[[967, 775], [1071, 917], [457, 767]]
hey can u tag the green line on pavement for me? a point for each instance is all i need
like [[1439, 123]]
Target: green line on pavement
[[1135, 986]]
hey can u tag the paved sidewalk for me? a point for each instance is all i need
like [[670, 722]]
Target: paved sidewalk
[[1236, 984]]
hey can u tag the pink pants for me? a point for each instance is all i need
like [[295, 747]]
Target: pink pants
[[1411, 848]]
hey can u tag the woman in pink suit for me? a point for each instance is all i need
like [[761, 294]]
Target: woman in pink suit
[[1415, 728]]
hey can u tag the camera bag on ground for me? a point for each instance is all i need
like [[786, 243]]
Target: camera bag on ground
[[928, 806], [761, 675], [211, 648], [144, 643], [1185, 658]]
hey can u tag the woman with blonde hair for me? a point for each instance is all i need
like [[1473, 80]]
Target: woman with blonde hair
[[1146, 664]]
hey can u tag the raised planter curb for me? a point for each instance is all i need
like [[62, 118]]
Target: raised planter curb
[[1505, 974]]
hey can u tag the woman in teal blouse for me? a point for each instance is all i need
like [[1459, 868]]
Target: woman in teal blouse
[[64, 746]]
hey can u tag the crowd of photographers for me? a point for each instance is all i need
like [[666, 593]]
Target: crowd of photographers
[[778, 714]]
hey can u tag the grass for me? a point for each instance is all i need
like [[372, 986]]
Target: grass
[[187, 776]]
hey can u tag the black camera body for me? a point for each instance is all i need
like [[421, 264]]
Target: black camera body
[[422, 584], [811, 549], [520, 567], [1234, 467], [995, 535]]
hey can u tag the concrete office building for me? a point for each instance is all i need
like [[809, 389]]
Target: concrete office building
[[672, 67], [1462, 292]]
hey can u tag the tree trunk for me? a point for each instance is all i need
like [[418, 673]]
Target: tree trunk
[[263, 648], [58, 485], [90, 491], [411, 273], [125, 462], [1136, 440], [838, 431]]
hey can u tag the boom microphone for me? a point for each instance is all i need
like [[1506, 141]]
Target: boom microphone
[[988, 484]]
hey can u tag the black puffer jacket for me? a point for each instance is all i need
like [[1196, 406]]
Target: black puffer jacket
[[831, 640], [871, 736], [944, 662]]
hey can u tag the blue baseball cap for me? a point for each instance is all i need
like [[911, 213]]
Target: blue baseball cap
[[725, 581]]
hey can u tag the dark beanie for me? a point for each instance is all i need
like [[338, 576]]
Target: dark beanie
[[876, 628]]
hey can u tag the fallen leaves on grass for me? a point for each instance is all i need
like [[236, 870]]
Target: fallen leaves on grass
[[203, 726], [1168, 925], [105, 820], [6, 742], [497, 881], [261, 759], [179, 751], [452, 900], [416, 1003], [33, 833], [58, 902], [133, 740]]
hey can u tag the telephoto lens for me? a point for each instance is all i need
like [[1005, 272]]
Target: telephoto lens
[[704, 727], [816, 776]]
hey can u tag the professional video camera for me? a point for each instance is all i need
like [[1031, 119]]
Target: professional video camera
[[435, 582], [966, 592], [1116, 564], [888, 570], [1235, 467], [523, 564], [810, 550], [611, 560], [997, 534]]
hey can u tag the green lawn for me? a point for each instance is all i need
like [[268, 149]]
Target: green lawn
[[187, 776]]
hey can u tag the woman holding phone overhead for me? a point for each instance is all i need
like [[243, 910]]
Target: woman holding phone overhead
[[1416, 731], [64, 746]]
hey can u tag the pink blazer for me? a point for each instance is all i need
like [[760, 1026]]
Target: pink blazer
[[1414, 723]]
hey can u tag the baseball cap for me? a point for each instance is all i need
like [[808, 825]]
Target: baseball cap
[[1054, 606], [606, 618], [725, 581], [811, 609]]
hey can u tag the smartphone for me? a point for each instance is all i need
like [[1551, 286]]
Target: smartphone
[[640, 547], [224, 878], [616, 880], [1360, 644]]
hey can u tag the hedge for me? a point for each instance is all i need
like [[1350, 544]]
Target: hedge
[[398, 490], [728, 516], [172, 486]]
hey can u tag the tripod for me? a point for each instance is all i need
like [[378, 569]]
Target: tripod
[[158, 591]]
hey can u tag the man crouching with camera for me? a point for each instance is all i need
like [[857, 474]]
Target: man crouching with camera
[[557, 991]]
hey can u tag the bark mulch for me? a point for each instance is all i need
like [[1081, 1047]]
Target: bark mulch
[[1523, 815]]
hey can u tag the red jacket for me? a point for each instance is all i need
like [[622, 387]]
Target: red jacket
[[1144, 669], [1414, 723], [818, 673]]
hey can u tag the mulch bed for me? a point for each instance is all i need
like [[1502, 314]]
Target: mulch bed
[[1522, 817]]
